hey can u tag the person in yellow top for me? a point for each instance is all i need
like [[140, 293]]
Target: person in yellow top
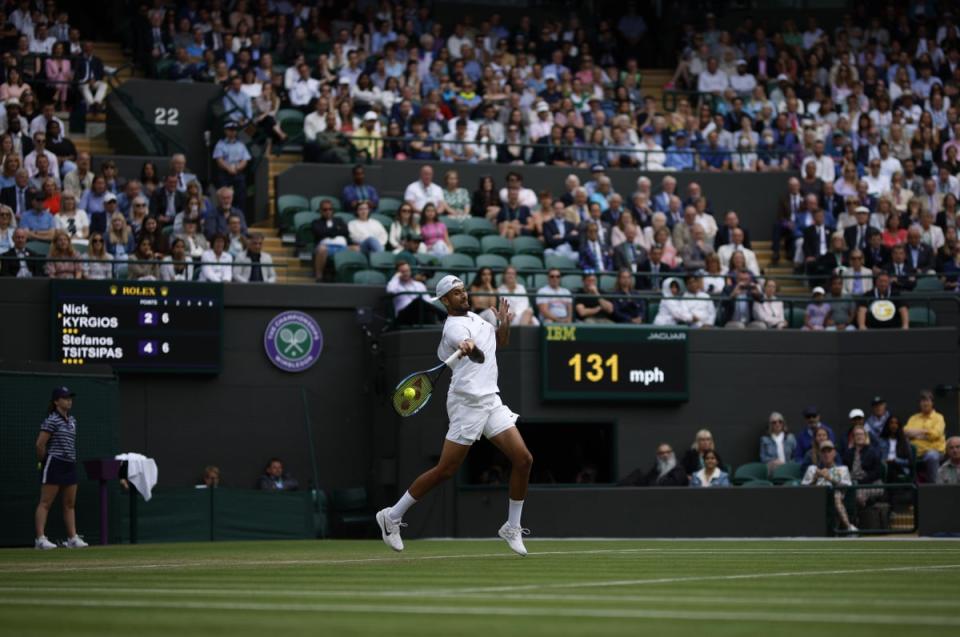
[[367, 139], [925, 430]]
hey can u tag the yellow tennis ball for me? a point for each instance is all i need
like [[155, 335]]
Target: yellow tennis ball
[[409, 393]]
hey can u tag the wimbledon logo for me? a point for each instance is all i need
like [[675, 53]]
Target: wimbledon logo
[[293, 341]]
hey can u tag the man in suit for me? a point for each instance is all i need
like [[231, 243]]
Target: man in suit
[[919, 255], [19, 196], [789, 209], [218, 221], [738, 304], [559, 235], [856, 236], [876, 256], [628, 255], [816, 238], [831, 202], [167, 201], [736, 245], [89, 76], [603, 229], [857, 278], [593, 255], [178, 167], [901, 271], [652, 271], [668, 188], [13, 262], [683, 231], [731, 221]]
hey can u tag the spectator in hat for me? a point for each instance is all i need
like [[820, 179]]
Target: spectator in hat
[[879, 415], [925, 430], [856, 418], [680, 156], [805, 438], [367, 139], [830, 474], [231, 157], [743, 82], [817, 315]]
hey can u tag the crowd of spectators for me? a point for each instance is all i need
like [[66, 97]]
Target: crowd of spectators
[[391, 80], [875, 448]]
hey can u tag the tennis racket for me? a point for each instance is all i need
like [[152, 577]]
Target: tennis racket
[[422, 384]]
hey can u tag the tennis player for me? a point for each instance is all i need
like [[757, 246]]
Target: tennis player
[[474, 409]]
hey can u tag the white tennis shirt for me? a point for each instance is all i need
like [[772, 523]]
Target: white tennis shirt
[[469, 378]]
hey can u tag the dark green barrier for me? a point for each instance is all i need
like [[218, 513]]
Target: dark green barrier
[[188, 514]]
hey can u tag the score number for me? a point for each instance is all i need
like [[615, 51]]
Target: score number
[[594, 367]]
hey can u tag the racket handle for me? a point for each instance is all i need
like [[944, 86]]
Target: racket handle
[[452, 358]]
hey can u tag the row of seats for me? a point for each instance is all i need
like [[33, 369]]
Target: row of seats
[[289, 205], [755, 474]]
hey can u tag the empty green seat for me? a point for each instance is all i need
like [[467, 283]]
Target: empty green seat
[[928, 284], [537, 281], [347, 262], [465, 244], [459, 264], [757, 483], [608, 283], [573, 282], [495, 244], [795, 315], [389, 205], [559, 262], [291, 123], [287, 205], [495, 261], [526, 262], [346, 216], [528, 245], [454, 226], [319, 199], [921, 317], [304, 218], [304, 236], [428, 259], [478, 227], [383, 260], [384, 220], [369, 277], [750, 471], [787, 472]]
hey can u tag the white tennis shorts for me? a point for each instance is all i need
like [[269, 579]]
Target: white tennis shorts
[[471, 417]]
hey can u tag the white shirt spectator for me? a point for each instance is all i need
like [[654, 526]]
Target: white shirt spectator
[[418, 195], [716, 82], [878, 185], [558, 300], [889, 166], [214, 269], [397, 286], [518, 304], [703, 311], [30, 164], [313, 124], [749, 256], [304, 90], [81, 223], [743, 84], [360, 231], [169, 273], [825, 167]]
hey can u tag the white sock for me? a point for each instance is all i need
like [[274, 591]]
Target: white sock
[[516, 508], [405, 502]]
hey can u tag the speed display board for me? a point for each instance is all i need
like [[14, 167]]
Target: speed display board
[[138, 326], [611, 362]]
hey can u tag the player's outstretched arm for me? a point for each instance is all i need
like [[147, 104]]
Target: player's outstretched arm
[[504, 318], [470, 350]]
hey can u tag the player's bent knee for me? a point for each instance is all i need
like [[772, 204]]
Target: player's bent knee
[[523, 461]]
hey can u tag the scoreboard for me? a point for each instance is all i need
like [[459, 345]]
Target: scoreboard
[[613, 362], [138, 326]]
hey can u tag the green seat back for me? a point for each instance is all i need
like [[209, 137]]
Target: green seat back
[[528, 245], [304, 218], [573, 282], [319, 199], [526, 262], [787, 472], [478, 227], [383, 260], [608, 283], [346, 216], [369, 277], [346, 262], [495, 261], [291, 122], [465, 244], [389, 205], [929, 284], [750, 471], [459, 264], [495, 244], [454, 226], [921, 317], [560, 262], [384, 220]]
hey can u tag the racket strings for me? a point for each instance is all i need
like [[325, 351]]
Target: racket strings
[[421, 385]]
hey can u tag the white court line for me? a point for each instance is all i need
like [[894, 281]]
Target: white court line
[[227, 563], [704, 578], [738, 600], [407, 609]]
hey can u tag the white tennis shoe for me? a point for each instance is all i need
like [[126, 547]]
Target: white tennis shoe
[[390, 529], [43, 544], [76, 543], [514, 537]]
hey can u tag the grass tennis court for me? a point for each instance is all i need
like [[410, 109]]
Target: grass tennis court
[[849, 587]]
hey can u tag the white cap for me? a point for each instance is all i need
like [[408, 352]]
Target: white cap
[[370, 115], [447, 284], [542, 107], [855, 413], [861, 209], [819, 290]]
